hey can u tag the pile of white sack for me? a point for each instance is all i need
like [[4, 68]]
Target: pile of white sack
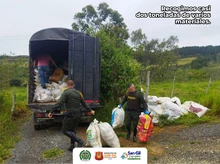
[[52, 92], [101, 133], [172, 107]]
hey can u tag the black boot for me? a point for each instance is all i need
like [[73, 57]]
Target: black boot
[[128, 136], [80, 143], [72, 141], [134, 139], [73, 136], [72, 146]]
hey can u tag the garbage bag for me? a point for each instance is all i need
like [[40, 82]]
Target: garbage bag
[[144, 128], [93, 137], [118, 115], [108, 135]]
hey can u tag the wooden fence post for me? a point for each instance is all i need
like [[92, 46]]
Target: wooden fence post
[[148, 85], [13, 102], [210, 80], [173, 86]]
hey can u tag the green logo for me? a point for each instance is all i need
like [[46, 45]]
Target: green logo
[[85, 155], [89, 134]]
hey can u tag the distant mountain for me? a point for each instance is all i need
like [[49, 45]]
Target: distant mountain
[[14, 58], [196, 50]]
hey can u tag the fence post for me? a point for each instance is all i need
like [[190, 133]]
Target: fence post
[[173, 85], [148, 85], [13, 102], [210, 79]]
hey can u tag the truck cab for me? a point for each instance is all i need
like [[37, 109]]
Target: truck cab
[[78, 55]]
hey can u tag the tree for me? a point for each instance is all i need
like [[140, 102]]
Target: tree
[[200, 62], [13, 67], [138, 38], [91, 20], [202, 50], [118, 68], [156, 56]]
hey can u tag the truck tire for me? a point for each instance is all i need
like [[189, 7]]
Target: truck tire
[[36, 127]]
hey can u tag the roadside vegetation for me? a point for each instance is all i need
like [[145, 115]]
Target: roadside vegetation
[[185, 91], [52, 153], [11, 118]]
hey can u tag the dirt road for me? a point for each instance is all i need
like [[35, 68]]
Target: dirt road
[[199, 144]]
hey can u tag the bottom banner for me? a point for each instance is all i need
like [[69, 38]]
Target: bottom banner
[[109, 155]]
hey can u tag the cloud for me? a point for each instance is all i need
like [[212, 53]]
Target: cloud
[[25, 17]]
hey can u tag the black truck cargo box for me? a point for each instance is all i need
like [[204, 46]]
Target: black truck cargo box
[[76, 53]]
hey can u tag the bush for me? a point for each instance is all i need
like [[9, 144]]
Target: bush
[[10, 122], [118, 68], [15, 83], [200, 62]]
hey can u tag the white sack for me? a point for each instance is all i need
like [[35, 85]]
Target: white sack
[[156, 108], [55, 85], [176, 100], [194, 107], [48, 85], [118, 116], [38, 89], [152, 100], [163, 99], [108, 135], [46, 91], [56, 92], [63, 86], [173, 110], [93, 137], [44, 98]]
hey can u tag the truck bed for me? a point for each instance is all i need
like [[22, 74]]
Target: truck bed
[[48, 105], [39, 105]]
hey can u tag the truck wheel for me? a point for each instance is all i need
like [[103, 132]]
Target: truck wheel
[[36, 127]]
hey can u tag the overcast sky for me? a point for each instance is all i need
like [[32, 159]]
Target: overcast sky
[[20, 19]]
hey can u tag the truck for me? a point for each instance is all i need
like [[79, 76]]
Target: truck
[[79, 55]]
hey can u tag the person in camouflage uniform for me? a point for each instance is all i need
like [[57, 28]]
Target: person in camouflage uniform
[[135, 105], [72, 99]]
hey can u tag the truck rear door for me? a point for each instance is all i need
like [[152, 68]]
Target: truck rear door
[[84, 66]]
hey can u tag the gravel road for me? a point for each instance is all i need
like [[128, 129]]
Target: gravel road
[[199, 144], [34, 143]]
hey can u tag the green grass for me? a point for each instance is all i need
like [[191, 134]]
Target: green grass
[[191, 91], [185, 91], [10, 121], [191, 119], [52, 153], [185, 61]]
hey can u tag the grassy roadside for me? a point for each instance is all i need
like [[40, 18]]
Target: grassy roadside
[[187, 91], [10, 122], [196, 91]]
